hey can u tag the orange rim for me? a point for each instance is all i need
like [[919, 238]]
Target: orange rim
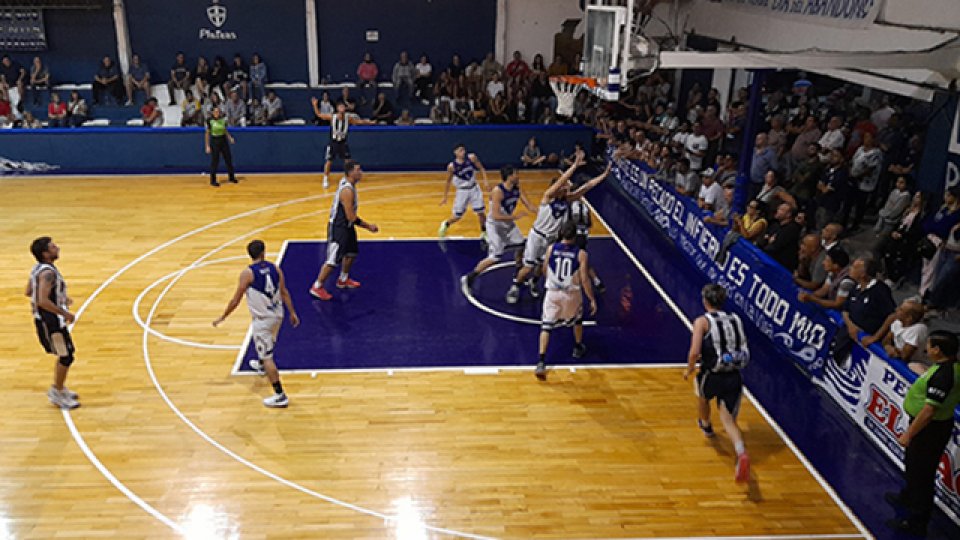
[[576, 80]]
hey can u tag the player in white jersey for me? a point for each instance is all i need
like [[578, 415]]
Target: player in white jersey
[[49, 302], [340, 123], [461, 172], [553, 212], [266, 291], [566, 270]]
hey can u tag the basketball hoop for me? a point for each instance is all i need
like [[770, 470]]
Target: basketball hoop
[[566, 87]]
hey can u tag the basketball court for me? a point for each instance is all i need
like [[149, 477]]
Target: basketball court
[[435, 429]]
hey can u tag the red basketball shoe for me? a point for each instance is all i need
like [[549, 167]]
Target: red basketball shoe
[[347, 284], [320, 292]]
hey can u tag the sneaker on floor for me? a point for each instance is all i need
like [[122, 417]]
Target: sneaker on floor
[[214, 183], [326, 183], [257, 366], [234, 181], [320, 293], [707, 429], [348, 284], [541, 371], [579, 350], [276, 401], [742, 472], [60, 400], [443, 229], [534, 288], [69, 393], [513, 295]]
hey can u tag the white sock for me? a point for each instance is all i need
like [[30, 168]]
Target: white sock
[[344, 276], [317, 284], [738, 446]]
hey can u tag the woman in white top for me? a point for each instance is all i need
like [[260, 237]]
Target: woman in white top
[[424, 80]]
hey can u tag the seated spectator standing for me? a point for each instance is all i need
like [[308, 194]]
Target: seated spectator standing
[[258, 78], [833, 138], [803, 180], [274, 108], [180, 77], [56, 112], [402, 77], [151, 113], [138, 78], [382, 110], [532, 156], [107, 80], [897, 250], [235, 110], [833, 190], [865, 171], [39, 79], [903, 334], [190, 111], [867, 308], [12, 75], [764, 159], [897, 202], [695, 149], [77, 110], [238, 78], [838, 284], [782, 237]]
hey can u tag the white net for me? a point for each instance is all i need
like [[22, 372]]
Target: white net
[[566, 92]]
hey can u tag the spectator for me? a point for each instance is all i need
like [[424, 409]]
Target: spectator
[[833, 190], [753, 224], [710, 192], [210, 104], [405, 119], [12, 75], [256, 113], [736, 124], [218, 76], [726, 169], [867, 308], [777, 136], [865, 171], [807, 134], [862, 126], [904, 334], [944, 292], [367, 73], [454, 68], [238, 79], [936, 228], [517, 109], [424, 81], [107, 80], [273, 108], [782, 237], [558, 67], [838, 284], [56, 112], [764, 159], [180, 78], [810, 272], [138, 78], [721, 213], [202, 76], [772, 193], [495, 86], [686, 181], [897, 250], [382, 110], [497, 111], [30, 121], [517, 70], [77, 109], [833, 139], [713, 128], [893, 209], [678, 140], [489, 68], [348, 102], [930, 403], [695, 148], [537, 66], [532, 156], [235, 110], [541, 97], [152, 114], [7, 119], [804, 178], [39, 80], [403, 76], [258, 78], [191, 113], [326, 108]]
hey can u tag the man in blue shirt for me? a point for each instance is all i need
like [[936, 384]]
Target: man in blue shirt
[[764, 159], [107, 79], [138, 78]]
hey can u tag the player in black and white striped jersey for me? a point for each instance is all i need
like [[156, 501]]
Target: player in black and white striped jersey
[[47, 291], [340, 123], [719, 344]]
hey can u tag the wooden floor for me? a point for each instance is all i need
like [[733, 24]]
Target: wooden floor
[[594, 453]]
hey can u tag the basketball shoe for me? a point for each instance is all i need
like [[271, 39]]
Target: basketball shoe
[[347, 284], [320, 293]]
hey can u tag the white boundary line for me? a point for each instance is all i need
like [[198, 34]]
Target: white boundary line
[[773, 424], [492, 369]]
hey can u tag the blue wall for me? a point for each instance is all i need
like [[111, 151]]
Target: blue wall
[[145, 150], [276, 29], [77, 40], [438, 28]]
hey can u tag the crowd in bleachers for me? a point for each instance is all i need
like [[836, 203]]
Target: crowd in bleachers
[[823, 164]]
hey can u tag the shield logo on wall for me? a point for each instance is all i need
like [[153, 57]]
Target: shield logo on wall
[[217, 14]]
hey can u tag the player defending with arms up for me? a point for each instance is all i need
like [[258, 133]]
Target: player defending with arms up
[[566, 270], [502, 230], [719, 344], [461, 172], [265, 287]]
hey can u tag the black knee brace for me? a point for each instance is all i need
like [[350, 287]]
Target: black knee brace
[[65, 361]]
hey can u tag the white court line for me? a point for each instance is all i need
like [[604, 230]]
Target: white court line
[[437, 369], [77, 436], [230, 453], [763, 412]]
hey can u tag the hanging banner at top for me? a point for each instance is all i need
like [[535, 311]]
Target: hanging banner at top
[[844, 13]]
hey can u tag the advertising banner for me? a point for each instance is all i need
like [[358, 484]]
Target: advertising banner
[[843, 13]]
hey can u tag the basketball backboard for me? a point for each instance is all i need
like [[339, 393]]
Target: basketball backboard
[[607, 30]]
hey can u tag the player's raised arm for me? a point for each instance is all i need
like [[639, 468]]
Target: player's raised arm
[[483, 171], [582, 190], [316, 110], [246, 278], [446, 187], [287, 300]]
